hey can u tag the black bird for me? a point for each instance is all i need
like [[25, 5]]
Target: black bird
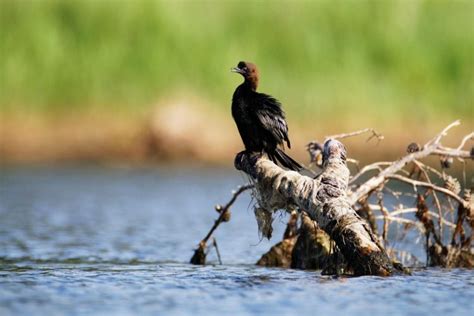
[[260, 119]]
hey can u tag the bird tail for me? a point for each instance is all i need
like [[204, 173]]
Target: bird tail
[[279, 156]]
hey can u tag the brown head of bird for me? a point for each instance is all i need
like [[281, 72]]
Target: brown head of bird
[[250, 73]]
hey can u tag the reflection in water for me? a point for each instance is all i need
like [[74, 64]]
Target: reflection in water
[[95, 241]]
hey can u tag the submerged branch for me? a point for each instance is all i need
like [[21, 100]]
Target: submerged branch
[[199, 256], [223, 210]]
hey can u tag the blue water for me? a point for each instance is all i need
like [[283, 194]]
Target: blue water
[[116, 241]]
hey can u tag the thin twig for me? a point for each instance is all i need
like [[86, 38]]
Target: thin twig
[[402, 211], [465, 139], [444, 132], [374, 133], [403, 221], [395, 194], [214, 243], [224, 209], [199, 256], [374, 166], [416, 183], [431, 169], [385, 214]]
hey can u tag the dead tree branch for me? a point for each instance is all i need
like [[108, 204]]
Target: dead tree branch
[[330, 198], [374, 134], [199, 256], [325, 200], [433, 147]]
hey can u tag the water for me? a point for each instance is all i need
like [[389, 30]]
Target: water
[[86, 240]]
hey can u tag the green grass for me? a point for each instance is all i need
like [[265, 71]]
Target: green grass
[[377, 59]]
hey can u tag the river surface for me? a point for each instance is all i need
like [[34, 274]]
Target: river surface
[[117, 241]]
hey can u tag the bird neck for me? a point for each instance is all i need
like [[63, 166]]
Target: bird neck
[[251, 83]]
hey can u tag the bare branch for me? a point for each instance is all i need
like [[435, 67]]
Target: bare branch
[[444, 132], [432, 147], [199, 256], [374, 134], [214, 243], [416, 183], [374, 166], [402, 221], [223, 210], [410, 210], [465, 139], [431, 169]]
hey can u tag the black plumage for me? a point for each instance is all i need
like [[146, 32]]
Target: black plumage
[[260, 119]]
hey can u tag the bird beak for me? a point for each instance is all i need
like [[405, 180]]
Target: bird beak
[[237, 70]]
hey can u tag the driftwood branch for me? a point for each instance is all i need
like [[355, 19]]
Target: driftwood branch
[[326, 202], [199, 256], [340, 223]]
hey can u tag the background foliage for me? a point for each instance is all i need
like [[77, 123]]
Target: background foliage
[[372, 60]]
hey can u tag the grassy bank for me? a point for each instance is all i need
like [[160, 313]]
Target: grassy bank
[[380, 56], [335, 65]]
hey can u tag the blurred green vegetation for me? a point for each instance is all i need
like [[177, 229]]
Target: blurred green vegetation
[[378, 59]]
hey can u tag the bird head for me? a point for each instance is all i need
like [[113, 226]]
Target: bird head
[[315, 151], [249, 71]]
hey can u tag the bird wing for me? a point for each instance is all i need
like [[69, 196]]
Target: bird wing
[[271, 117]]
